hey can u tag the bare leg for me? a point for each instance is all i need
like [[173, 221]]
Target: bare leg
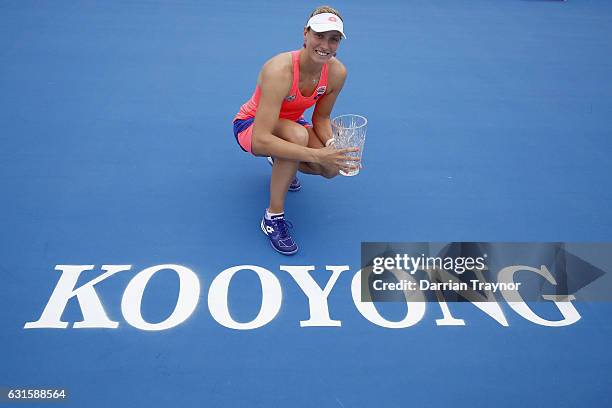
[[283, 171], [312, 168]]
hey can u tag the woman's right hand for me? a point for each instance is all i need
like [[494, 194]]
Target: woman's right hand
[[331, 157]]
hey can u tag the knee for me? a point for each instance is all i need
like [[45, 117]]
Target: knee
[[298, 135]]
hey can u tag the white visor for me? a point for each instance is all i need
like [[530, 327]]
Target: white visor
[[323, 22]]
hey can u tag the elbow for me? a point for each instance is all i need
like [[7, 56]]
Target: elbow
[[260, 144]]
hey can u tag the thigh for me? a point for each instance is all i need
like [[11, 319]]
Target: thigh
[[287, 130], [291, 131], [297, 133], [313, 139]]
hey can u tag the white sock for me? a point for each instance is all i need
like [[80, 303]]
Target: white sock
[[269, 215]]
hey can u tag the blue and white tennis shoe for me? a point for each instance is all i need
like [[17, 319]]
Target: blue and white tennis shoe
[[277, 230]]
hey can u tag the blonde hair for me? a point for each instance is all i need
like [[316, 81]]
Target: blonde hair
[[326, 9]]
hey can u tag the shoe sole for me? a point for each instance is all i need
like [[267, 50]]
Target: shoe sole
[[263, 229]]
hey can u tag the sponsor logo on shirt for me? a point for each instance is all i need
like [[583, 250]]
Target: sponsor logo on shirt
[[290, 98], [320, 92]]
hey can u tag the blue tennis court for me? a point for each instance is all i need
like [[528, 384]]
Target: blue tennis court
[[487, 121]]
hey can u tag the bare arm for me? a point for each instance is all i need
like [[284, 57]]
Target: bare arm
[[320, 117], [275, 84]]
